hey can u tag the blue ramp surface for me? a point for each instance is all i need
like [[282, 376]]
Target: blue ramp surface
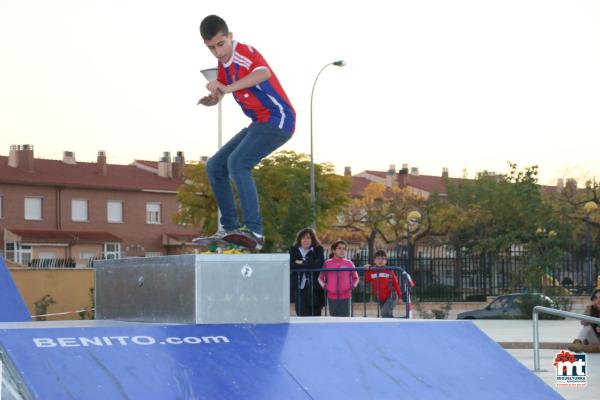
[[404, 360], [12, 306]]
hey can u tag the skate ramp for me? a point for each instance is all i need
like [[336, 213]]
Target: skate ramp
[[321, 360], [12, 306]]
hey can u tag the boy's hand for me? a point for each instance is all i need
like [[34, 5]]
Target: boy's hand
[[209, 100], [216, 88], [367, 266]]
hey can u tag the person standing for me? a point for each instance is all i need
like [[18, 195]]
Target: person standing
[[307, 253], [338, 284], [383, 281]]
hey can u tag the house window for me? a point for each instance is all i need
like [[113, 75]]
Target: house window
[[33, 208], [112, 251], [79, 210], [18, 253], [114, 211], [153, 213]]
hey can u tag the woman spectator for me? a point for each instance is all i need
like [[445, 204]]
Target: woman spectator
[[307, 253]]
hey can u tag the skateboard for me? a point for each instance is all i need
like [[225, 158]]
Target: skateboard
[[221, 246], [241, 240]]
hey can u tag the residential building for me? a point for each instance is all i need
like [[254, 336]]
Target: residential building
[[53, 210], [423, 185]]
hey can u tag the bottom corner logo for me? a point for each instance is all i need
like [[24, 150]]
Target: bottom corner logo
[[571, 369]]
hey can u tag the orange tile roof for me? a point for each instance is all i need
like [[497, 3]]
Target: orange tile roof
[[358, 186], [85, 174], [151, 164]]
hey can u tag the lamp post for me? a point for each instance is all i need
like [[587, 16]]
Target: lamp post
[[589, 208], [313, 197], [413, 220], [211, 74]]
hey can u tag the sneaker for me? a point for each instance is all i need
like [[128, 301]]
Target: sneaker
[[246, 238], [258, 238], [576, 346], [215, 237]]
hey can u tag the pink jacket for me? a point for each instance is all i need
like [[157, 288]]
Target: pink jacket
[[339, 284]]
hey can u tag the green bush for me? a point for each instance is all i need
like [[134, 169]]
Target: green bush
[[529, 301], [438, 292]]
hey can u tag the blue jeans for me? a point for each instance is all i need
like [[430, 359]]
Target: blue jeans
[[236, 159]]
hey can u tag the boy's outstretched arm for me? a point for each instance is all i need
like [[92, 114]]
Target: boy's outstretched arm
[[256, 77]]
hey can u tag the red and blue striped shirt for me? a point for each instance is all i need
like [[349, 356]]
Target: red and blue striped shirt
[[265, 102]]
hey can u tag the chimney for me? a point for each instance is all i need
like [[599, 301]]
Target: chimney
[[347, 171], [69, 157], [164, 165], [391, 179], [403, 177], [571, 187], [102, 167], [178, 165], [21, 157], [414, 171], [445, 172]]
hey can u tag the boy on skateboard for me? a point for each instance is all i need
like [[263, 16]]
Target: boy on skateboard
[[243, 72]]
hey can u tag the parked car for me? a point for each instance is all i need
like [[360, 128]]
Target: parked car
[[509, 306]]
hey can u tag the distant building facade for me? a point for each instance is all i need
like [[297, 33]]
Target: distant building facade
[[53, 210]]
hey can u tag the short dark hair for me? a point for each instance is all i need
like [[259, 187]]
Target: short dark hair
[[594, 293], [314, 241], [380, 253], [211, 26], [335, 245]]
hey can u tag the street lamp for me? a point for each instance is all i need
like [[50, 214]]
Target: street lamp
[[313, 197], [211, 74], [589, 208], [413, 220]]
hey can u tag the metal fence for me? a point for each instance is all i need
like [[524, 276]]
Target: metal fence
[[314, 298], [443, 274]]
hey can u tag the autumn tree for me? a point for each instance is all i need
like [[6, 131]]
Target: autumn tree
[[282, 182]]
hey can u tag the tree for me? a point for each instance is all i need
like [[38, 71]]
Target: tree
[[197, 201], [498, 211], [572, 206], [282, 182], [381, 212]]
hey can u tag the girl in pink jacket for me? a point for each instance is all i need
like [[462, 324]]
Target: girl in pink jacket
[[338, 284]]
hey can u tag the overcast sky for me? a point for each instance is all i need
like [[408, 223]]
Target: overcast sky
[[439, 83]]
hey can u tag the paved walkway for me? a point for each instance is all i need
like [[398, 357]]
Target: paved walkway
[[515, 335]]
